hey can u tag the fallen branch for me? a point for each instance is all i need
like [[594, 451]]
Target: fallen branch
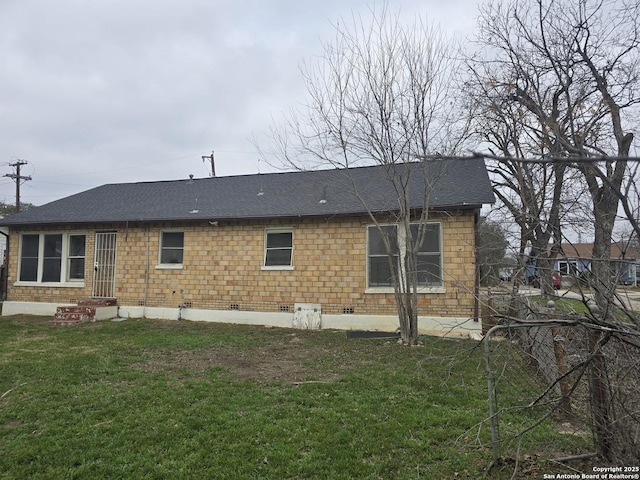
[[11, 390]]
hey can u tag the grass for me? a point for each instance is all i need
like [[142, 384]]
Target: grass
[[567, 305], [158, 399], [574, 306]]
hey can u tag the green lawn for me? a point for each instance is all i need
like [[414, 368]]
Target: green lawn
[[168, 399]]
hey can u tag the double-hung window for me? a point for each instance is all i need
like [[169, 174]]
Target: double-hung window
[[384, 244], [171, 248], [429, 255], [52, 261], [380, 272], [278, 249], [52, 258], [29, 258], [75, 259]]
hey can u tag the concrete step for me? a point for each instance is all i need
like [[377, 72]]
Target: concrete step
[[89, 311]]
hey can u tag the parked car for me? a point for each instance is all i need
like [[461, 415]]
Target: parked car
[[504, 276], [556, 281]]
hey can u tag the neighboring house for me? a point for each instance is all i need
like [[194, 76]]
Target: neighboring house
[[574, 259], [577, 257], [273, 249]]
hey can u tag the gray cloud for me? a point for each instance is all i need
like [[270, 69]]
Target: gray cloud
[[133, 90]]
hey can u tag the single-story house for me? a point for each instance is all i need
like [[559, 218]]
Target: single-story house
[[576, 258], [281, 249]]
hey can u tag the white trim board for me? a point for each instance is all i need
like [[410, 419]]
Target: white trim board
[[439, 326]]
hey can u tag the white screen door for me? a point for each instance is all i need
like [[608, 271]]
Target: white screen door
[[104, 275]]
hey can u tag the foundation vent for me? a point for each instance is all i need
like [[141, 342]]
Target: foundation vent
[[347, 311], [284, 308], [234, 306]]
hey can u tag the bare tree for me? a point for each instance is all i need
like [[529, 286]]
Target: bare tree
[[380, 95], [530, 192], [571, 68], [491, 247], [629, 196]]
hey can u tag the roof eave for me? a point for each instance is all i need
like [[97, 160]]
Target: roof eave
[[202, 218]]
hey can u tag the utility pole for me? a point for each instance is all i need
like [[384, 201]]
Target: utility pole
[[213, 163], [18, 178]]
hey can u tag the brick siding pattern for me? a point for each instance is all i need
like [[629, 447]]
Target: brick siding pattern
[[222, 267]]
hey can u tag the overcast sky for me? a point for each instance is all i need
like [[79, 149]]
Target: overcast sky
[[110, 91]]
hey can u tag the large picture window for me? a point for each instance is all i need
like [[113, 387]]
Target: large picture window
[[171, 248], [52, 258], [278, 250], [429, 261]]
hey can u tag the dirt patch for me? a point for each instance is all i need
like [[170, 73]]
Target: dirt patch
[[12, 423], [290, 361]]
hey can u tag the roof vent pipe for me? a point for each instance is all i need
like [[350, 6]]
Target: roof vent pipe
[[324, 195]]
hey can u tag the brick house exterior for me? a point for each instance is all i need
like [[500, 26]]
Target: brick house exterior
[[234, 263]]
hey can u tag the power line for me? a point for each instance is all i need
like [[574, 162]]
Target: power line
[[143, 165], [18, 178], [575, 160], [550, 159]]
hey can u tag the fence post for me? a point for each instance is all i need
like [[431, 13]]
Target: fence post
[[491, 387], [488, 320], [558, 350]]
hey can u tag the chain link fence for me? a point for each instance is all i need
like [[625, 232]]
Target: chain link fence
[[562, 377]]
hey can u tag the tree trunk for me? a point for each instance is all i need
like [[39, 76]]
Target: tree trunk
[[600, 398], [603, 284], [412, 298], [409, 283], [545, 270]]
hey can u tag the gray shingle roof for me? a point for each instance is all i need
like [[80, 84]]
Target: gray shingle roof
[[456, 184]]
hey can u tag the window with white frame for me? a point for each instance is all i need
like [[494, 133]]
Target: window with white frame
[[278, 248], [29, 258], [52, 261], [379, 265], [52, 257], [568, 267], [75, 259], [171, 248]]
